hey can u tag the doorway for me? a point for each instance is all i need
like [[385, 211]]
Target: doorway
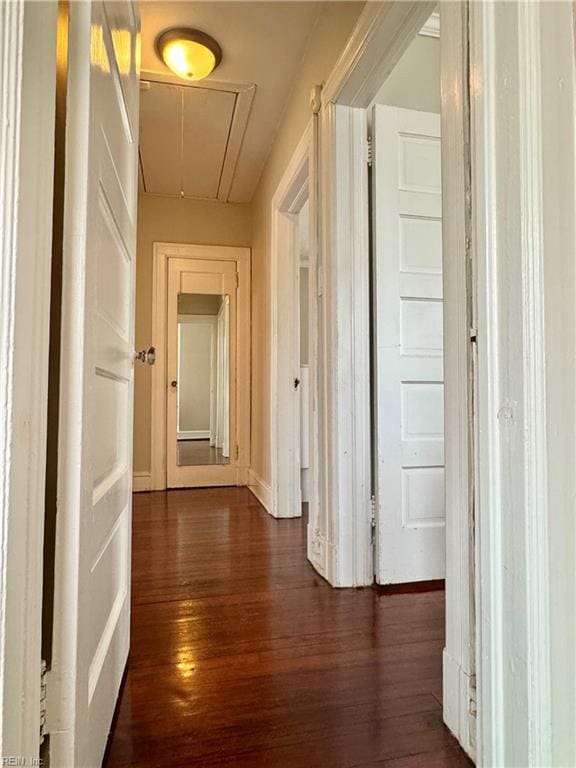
[[407, 319], [294, 338], [201, 377]]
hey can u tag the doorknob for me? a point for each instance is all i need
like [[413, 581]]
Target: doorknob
[[146, 355], [174, 383]]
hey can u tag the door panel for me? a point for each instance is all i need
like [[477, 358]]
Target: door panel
[[408, 346], [92, 595]]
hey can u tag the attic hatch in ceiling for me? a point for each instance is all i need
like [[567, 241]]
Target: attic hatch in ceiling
[[191, 136]]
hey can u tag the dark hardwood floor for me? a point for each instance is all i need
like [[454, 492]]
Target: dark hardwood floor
[[243, 656]]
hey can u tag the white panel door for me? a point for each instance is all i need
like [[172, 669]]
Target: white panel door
[[409, 390], [92, 593]]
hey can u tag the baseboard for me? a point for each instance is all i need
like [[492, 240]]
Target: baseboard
[[141, 481], [261, 490], [194, 434]]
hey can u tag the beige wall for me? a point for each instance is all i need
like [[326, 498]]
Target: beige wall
[[177, 221], [332, 31]]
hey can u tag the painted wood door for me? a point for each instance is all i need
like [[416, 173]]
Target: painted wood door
[[408, 346], [217, 464], [92, 575]]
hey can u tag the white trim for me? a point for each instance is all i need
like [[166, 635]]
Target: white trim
[[162, 252], [432, 26], [346, 438], [141, 481], [194, 434], [459, 652], [27, 99], [290, 196], [260, 489], [380, 37], [524, 240]]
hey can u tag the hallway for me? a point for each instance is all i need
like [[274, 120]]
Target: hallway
[[243, 656]]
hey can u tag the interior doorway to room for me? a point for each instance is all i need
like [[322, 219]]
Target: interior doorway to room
[[294, 339], [407, 319], [303, 315]]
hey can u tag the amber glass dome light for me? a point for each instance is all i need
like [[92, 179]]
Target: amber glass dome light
[[189, 53]]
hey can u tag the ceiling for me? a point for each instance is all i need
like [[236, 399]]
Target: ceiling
[[211, 140]]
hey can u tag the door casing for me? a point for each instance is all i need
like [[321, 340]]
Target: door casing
[[289, 198]]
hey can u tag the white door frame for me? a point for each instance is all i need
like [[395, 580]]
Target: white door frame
[[27, 99], [289, 199], [381, 36], [523, 236], [242, 256]]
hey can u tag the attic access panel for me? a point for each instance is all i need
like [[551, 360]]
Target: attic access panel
[[190, 137]]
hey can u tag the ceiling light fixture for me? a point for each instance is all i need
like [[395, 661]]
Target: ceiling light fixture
[[189, 53]]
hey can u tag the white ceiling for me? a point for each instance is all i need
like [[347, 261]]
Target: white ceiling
[[263, 44]]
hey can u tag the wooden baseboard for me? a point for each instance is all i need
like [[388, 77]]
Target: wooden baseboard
[[260, 489], [141, 481], [412, 586]]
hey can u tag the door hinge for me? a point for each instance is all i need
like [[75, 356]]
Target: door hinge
[[369, 152], [43, 672], [320, 281], [473, 335], [373, 519], [237, 452], [237, 279]]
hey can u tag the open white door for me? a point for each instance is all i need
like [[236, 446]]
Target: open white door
[[92, 589], [409, 390]]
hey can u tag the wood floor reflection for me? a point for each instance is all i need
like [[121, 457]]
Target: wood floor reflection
[[243, 656], [196, 453]]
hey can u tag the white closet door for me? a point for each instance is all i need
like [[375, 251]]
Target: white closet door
[[409, 386], [92, 593]]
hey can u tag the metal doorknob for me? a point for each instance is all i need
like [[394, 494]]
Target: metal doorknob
[[174, 384], [146, 355]]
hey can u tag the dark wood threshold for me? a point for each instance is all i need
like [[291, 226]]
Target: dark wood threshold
[[435, 585]]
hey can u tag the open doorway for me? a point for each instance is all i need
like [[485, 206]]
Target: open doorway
[[407, 319]]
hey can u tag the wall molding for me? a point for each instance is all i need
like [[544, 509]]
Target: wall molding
[[141, 482], [260, 489]]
